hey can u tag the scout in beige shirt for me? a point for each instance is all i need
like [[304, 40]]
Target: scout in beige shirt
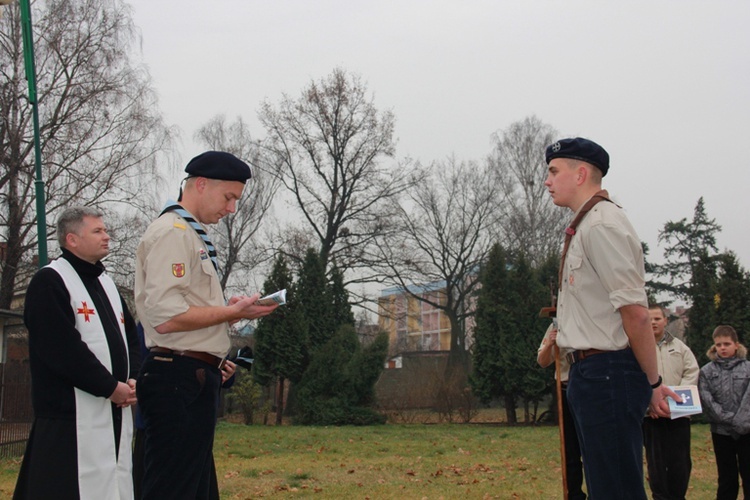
[[602, 316], [175, 272], [185, 319]]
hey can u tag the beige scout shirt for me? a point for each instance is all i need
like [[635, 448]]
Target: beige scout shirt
[[173, 272], [603, 271], [676, 362]]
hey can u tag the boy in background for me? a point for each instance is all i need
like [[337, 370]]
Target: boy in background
[[667, 440], [724, 394]]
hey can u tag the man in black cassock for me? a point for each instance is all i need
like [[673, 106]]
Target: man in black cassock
[[83, 353]]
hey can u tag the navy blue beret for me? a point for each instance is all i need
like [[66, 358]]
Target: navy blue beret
[[218, 165], [579, 149]]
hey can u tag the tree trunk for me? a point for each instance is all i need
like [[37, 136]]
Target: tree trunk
[[510, 409], [526, 412], [279, 400], [268, 400]]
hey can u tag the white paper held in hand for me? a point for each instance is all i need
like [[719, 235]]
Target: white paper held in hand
[[275, 298], [690, 404]]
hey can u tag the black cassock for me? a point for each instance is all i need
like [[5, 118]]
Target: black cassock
[[62, 362]]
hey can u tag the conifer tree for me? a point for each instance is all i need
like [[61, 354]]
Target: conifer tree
[[341, 309], [338, 385], [733, 296], [507, 332], [281, 338], [489, 329], [315, 301], [528, 295], [702, 320], [687, 243]]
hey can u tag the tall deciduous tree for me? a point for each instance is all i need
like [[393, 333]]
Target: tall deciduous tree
[[442, 238], [281, 338], [100, 130], [236, 235], [531, 223], [335, 149]]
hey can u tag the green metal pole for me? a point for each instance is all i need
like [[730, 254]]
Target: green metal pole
[[28, 57]]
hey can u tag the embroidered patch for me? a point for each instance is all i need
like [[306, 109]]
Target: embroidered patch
[[203, 254], [570, 280], [86, 312], [556, 147], [122, 318], [179, 226], [178, 270]]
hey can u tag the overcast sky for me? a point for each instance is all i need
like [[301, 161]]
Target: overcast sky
[[664, 86]]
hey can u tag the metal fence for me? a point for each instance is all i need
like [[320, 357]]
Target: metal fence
[[16, 413]]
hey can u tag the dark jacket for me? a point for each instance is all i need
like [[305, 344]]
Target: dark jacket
[[724, 390]]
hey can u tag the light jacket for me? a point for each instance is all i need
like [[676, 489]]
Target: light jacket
[[724, 385], [676, 362]]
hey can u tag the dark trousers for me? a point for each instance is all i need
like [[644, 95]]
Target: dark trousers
[[178, 397], [732, 459], [573, 464], [608, 395], [667, 445]]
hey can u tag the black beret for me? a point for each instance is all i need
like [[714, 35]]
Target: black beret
[[579, 149], [218, 165]]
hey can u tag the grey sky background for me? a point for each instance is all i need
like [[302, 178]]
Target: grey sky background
[[664, 86]]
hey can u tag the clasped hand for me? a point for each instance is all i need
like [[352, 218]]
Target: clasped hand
[[124, 394]]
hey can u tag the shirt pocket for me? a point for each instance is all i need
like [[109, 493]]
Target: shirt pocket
[[207, 276], [574, 264]]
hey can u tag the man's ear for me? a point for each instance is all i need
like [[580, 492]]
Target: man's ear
[[582, 174], [71, 240]]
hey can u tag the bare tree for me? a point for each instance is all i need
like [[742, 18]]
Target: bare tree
[[443, 237], [331, 143], [100, 132], [530, 221], [241, 251]]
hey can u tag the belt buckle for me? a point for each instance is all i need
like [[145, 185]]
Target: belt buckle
[[571, 357]]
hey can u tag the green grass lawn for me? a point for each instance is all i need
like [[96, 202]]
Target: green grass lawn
[[398, 461]]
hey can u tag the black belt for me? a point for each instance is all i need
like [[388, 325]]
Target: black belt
[[203, 356]]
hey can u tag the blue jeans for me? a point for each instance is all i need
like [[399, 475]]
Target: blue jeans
[[608, 395], [573, 464], [179, 399]]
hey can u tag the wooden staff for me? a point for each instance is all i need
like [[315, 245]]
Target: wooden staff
[[550, 312], [560, 422]]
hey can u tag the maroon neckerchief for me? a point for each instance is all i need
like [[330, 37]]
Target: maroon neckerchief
[[571, 229]]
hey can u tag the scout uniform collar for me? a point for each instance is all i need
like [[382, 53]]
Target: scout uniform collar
[[175, 207], [601, 195]]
